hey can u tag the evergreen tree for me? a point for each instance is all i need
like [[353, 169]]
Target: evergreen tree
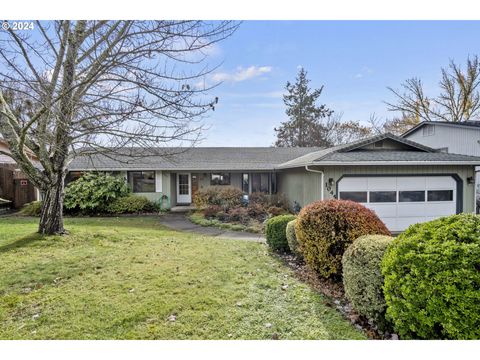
[[305, 127]]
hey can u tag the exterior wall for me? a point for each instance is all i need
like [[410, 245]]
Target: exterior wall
[[458, 140], [162, 186], [204, 179], [299, 185]]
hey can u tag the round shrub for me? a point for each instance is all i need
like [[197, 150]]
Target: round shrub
[[292, 238], [93, 192], [275, 231], [131, 204], [362, 277], [432, 279], [325, 229]]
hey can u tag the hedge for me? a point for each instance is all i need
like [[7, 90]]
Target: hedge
[[275, 231], [292, 238], [432, 279], [362, 277], [326, 228]]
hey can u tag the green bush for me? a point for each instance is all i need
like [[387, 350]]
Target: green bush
[[275, 231], [131, 204], [362, 277], [292, 238], [226, 196], [432, 279], [93, 192], [325, 229], [33, 208]]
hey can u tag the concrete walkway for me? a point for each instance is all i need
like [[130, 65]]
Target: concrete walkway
[[180, 222]]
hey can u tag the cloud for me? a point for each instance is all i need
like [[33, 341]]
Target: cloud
[[242, 74], [363, 72]]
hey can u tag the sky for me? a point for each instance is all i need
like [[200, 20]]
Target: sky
[[355, 61]]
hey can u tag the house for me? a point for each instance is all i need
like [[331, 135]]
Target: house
[[14, 185], [404, 182]]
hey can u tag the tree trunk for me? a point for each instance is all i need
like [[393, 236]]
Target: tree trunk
[[51, 217]]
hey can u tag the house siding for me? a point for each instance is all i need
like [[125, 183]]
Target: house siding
[[305, 187]]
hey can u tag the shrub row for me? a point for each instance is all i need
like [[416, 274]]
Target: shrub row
[[226, 196], [275, 232]]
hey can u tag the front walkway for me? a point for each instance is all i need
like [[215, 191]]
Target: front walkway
[[179, 221]]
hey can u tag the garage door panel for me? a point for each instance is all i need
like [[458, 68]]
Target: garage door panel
[[410, 182], [382, 183], [384, 210], [354, 184], [409, 209], [440, 209], [440, 182]]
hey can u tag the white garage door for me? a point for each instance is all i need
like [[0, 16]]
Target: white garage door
[[403, 200]]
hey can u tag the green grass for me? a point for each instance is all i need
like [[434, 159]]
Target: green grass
[[199, 219], [121, 278]]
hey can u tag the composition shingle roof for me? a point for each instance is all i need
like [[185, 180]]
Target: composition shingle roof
[[473, 124], [199, 158]]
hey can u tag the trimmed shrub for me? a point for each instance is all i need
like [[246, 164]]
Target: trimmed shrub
[[326, 228], [33, 208], [275, 231], [131, 204], [93, 192], [292, 238], [362, 277], [257, 211], [226, 196], [432, 279]]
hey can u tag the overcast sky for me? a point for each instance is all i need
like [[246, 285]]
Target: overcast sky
[[355, 61]]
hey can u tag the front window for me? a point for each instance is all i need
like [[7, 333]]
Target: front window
[[440, 195], [142, 181], [72, 176], [220, 179], [260, 182], [357, 196]]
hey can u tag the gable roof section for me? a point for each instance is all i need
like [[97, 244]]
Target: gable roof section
[[474, 125], [195, 159], [356, 154]]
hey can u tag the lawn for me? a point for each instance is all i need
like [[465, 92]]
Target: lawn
[[130, 278]]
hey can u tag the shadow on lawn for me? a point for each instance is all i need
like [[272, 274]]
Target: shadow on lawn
[[19, 243]]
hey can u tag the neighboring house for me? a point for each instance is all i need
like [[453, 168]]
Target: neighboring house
[[451, 137], [14, 185], [402, 181]]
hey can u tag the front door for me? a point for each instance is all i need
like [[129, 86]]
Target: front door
[[184, 192]]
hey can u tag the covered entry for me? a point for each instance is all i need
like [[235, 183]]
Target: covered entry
[[401, 201]]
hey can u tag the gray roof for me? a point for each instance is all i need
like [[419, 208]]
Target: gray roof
[[352, 153], [199, 158], [472, 124]]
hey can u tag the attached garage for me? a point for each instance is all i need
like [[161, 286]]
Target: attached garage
[[401, 201]]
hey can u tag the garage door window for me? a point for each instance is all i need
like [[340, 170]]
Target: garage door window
[[440, 195], [411, 196], [358, 196], [383, 196]]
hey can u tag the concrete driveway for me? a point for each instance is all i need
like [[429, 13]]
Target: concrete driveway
[[180, 222]]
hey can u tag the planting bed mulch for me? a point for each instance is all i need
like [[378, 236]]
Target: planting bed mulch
[[335, 296]]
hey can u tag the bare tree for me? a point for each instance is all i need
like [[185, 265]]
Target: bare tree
[[459, 98], [100, 86], [343, 132]]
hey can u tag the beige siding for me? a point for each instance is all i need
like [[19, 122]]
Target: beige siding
[[204, 179], [300, 186]]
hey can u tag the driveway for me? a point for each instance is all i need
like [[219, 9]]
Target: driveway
[[179, 221]]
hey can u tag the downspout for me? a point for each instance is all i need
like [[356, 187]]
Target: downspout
[[319, 172]]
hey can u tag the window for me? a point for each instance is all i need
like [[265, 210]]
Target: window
[[260, 182], [142, 181], [245, 182], [428, 130], [411, 196], [72, 176], [440, 195], [383, 196], [183, 185], [220, 179], [357, 196]]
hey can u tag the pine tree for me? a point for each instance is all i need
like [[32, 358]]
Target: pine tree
[[305, 127]]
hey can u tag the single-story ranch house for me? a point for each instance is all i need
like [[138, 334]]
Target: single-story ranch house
[[402, 181]]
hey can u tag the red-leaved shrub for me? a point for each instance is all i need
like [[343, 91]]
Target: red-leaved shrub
[[325, 228]]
